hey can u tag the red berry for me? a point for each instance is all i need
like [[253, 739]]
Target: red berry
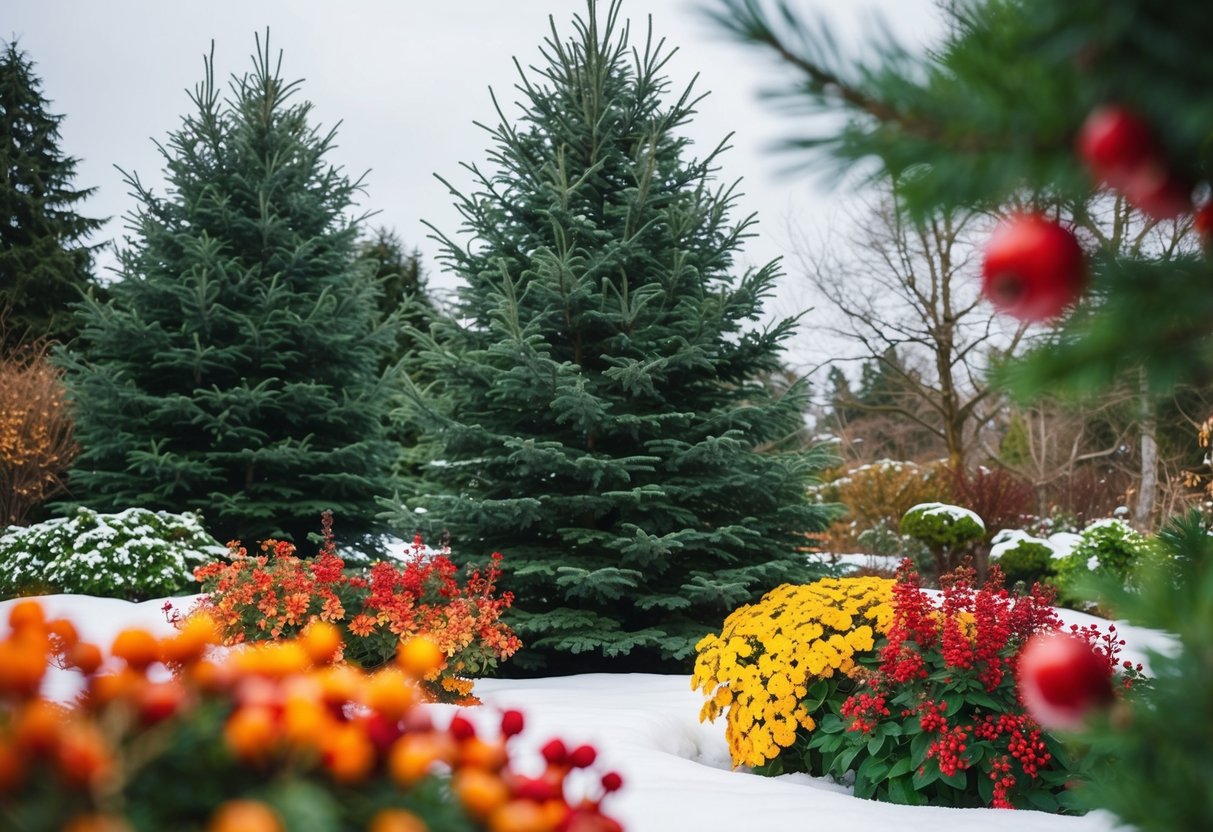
[[583, 756], [612, 781], [539, 789], [1061, 679], [1033, 268], [511, 723], [555, 752], [461, 728], [1115, 142]]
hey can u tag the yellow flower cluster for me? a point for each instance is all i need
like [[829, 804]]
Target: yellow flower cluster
[[759, 669]]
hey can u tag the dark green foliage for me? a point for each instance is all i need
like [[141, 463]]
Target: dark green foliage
[[601, 397], [235, 370], [402, 286], [988, 119], [1160, 762], [45, 266], [1026, 563]]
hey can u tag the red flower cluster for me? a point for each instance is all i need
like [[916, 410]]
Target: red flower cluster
[[276, 594], [971, 629], [944, 698], [865, 711]]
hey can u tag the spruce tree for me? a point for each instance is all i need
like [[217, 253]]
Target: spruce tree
[[403, 287], [235, 369], [45, 264], [599, 392], [1064, 109]]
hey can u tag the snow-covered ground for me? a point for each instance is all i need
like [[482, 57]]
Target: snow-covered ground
[[676, 771]]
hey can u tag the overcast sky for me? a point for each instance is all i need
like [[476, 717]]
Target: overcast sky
[[406, 79]]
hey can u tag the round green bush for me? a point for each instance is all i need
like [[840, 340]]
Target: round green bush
[[1022, 559], [1109, 548], [136, 554], [942, 525]]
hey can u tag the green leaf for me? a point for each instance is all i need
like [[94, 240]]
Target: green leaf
[[901, 790], [902, 766], [918, 748], [875, 744], [959, 780]]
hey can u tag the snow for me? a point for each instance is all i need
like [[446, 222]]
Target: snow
[[956, 513], [1060, 543], [677, 775]]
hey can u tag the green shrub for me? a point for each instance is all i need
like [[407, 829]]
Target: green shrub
[[1022, 558], [136, 554], [945, 530], [1109, 549], [877, 495]]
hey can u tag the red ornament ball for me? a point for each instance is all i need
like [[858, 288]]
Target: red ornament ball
[[1061, 679], [1121, 149], [1203, 222], [1033, 268], [1115, 142]]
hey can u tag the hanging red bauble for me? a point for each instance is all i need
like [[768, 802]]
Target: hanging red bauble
[[1033, 267]]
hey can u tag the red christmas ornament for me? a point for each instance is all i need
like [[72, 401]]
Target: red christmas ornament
[[1121, 149], [1115, 142], [1161, 193], [1061, 679], [1203, 222], [1033, 268]]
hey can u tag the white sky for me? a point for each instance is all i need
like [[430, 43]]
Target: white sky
[[406, 79]]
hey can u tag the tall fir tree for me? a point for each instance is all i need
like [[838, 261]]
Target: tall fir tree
[[45, 262], [601, 377], [404, 290], [1055, 107], [235, 370]]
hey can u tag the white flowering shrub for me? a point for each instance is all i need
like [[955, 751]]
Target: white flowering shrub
[[136, 554]]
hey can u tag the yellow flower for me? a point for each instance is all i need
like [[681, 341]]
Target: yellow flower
[[759, 668]]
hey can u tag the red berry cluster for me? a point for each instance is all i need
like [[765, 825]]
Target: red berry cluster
[[950, 750], [865, 710]]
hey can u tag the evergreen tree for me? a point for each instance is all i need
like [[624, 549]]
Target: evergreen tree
[[602, 375], [45, 265], [235, 370], [1037, 103], [402, 283]]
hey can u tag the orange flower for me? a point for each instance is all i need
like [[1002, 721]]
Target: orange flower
[[362, 625]]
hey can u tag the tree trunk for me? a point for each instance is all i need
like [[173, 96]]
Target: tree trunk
[[1144, 509]]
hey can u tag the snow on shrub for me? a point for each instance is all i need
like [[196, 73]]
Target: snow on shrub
[[1022, 557], [1107, 548], [136, 554], [945, 529]]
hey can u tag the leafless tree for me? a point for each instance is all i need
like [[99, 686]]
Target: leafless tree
[[911, 289]]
